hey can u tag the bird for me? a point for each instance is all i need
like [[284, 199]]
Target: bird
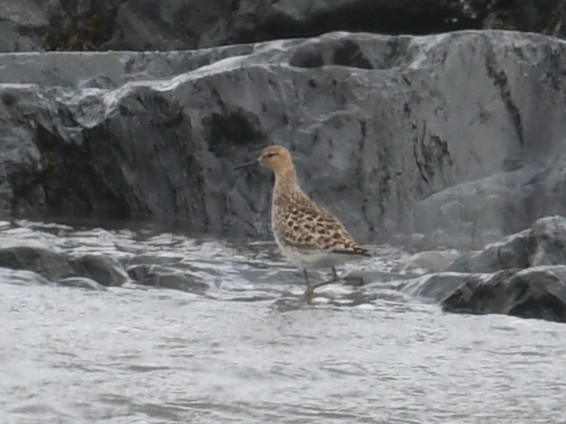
[[309, 236]]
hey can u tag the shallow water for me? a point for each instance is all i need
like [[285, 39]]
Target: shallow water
[[244, 350]]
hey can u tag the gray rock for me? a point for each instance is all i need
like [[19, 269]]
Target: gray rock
[[394, 134], [57, 267], [522, 275], [190, 24], [543, 244], [48, 264], [436, 287], [549, 238], [169, 278], [512, 252], [103, 270], [537, 292]]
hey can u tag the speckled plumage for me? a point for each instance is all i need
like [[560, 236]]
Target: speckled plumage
[[300, 225], [308, 235]]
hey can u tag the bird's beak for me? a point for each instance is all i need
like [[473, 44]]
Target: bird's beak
[[245, 165]]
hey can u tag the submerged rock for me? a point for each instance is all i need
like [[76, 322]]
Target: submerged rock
[[102, 269], [169, 278], [62, 269], [394, 134], [48, 264]]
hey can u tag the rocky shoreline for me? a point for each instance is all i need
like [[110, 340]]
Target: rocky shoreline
[[449, 140], [425, 124], [522, 275]]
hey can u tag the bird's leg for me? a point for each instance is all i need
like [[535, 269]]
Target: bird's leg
[[325, 283], [309, 292]]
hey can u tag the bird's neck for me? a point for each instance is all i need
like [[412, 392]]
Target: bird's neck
[[285, 181]]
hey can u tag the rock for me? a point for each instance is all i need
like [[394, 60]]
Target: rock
[[57, 267], [81, 282], [75, 25], [169, 278], [543, 244], [549, 239], [436, 287], [522, 275], [512, 252], [393, 134], [190, 24], [46, 263], [102, 269], [537, 292]]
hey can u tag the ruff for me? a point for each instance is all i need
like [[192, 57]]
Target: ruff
[[308, 235]]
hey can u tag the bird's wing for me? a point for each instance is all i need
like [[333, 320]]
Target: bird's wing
[[308, 226]]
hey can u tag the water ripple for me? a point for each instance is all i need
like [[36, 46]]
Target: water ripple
[[243, 349]]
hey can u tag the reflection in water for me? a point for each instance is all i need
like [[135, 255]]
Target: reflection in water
[[241, 348]]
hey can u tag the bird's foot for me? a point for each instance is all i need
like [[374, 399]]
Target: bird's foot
[[325, 283]]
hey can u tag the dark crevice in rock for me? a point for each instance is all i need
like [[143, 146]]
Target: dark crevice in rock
[[501, 81], [233, 130], [25, 185], [71, 183], [349, 54], [431, 155]]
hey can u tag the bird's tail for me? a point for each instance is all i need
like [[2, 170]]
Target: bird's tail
[[357, 251]]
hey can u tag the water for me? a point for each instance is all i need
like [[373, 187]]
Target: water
[[243, 350]]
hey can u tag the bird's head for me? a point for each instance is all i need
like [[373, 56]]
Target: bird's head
[[275, 157]]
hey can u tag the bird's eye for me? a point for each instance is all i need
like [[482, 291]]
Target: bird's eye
[[270, 155]]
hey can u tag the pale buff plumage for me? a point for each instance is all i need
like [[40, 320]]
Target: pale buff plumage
[[308, 235]]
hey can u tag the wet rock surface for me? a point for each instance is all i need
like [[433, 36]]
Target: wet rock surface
[[523, 275], [103, 269], [537, 292], [84, 271], [166, 277], [395, 135], [48, 264], [95, 271], [542, 244]]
